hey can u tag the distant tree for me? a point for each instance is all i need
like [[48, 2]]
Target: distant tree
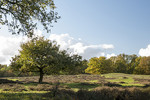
[[132, 64], [124, 63], [16, 65], [21, 16], [70, 64], [143, 65], [119, 63], [99, 65], [120, 67], [5, 71], [84, 66]]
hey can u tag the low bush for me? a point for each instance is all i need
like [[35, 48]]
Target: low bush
[[103, 93]]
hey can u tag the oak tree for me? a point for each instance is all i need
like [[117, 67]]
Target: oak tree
[[37, 55]]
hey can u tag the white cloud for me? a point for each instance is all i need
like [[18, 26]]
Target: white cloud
[[110, 55], [107, 46], [9, 46], [145, 52], [37, 33], [77, 46], [63, 39]]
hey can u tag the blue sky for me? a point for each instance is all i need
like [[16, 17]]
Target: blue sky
[[96, 28], [123, 23]]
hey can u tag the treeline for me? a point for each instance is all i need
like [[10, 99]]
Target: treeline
[[130, 64], [6, 71], [40, 56]]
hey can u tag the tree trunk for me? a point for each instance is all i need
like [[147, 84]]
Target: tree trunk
[[41, 76]]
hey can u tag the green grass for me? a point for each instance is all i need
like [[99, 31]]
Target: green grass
[[13, 79], [125, 79], [121, 79], [116, 75]]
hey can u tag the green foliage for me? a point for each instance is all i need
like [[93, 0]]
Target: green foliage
[[131, 64], [120, 67], [124, 63], [24, 14], [5, 71], [37, 55], [143, 65], [70, 64], [99, 65], [83, 67]]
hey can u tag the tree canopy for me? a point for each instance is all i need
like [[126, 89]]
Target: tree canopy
[[99, 65], [36, 55], [21, 16], [143, 65]]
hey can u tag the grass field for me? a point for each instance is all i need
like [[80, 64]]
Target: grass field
[[27, 88]]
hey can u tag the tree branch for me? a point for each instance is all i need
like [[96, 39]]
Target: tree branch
[[12, 2]]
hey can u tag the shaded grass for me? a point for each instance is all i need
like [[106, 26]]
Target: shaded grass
[[22, 96]]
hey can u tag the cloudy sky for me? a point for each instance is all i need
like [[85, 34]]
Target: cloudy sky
[[92, 29]]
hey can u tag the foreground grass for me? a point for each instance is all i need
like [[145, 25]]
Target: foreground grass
[[22, 96], [110, 86], [100, 93]]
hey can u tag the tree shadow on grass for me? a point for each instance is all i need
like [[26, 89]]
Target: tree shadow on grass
[[109, 84], [3, 81]]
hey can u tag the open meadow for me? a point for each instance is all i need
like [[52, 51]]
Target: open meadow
[[74, 50], [113, 86]]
